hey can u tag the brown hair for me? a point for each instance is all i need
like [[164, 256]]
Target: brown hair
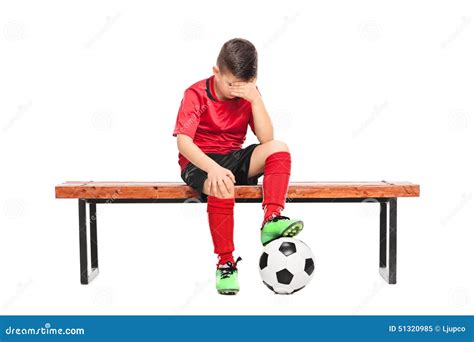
[[239, 57]]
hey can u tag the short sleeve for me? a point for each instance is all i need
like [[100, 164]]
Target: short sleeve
[[189, 114]]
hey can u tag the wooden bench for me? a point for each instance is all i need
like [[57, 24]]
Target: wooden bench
[[93, 193]]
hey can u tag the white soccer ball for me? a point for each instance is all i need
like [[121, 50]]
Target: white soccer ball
[[286, 265]]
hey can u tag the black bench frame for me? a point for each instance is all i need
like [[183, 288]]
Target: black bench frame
[[388, 219]]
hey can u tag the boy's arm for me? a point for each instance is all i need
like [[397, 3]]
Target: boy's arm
[[261, 120], [193, 153]]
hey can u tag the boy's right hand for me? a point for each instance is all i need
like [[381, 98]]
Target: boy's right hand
[[220, 181]]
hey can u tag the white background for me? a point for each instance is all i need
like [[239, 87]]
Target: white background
[[366, 90]]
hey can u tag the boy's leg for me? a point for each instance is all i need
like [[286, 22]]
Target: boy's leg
[[262, 152], [274, 160], [221, 222], [220, 210]]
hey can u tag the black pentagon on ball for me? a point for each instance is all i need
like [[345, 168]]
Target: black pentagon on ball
[[287, 248], [271, 288], [284, 276], [263, 260], [309, 266]]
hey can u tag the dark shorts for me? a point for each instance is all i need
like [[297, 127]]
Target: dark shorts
[[236, 161]]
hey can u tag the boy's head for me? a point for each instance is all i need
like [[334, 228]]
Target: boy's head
[[237, 61]]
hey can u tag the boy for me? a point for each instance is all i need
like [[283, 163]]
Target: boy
[[211, 127]]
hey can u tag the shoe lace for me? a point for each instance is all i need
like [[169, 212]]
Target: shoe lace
[[279, 217], [274, 219], [230, 269]]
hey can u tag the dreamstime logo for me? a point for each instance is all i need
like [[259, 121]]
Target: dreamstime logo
[[368, 210], [14, 208], [21, 288], [109, 22], [376, 288], [378, 110], [102, 121], [47, 329], [460, 297], [195, 116], [193, 31], [103, 297], [21, 110], [287, 21], [191, 212], [199, 289], [465, 199], [99, 209], [14, 31], [459, 120], [370, 31], [284, 300], [465, 21], [282, 120]]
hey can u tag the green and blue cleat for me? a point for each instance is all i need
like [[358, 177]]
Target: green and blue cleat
[[227, 282], [280, 226]]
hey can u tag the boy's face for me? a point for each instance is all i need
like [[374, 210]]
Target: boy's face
[[223, 81]]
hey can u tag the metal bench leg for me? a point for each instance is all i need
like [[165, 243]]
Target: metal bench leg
[[86, 276], [390, 238], [383, 235]]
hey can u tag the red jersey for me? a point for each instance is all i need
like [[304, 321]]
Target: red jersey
[[215, 126]]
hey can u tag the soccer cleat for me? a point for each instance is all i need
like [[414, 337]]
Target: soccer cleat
[[227, 282], [280, 226]]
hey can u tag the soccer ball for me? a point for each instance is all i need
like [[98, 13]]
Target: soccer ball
[[286, 265]]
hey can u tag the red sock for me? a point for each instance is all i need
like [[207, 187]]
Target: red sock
[[271, 210], [276, 178], [221, 222], [224, 257]]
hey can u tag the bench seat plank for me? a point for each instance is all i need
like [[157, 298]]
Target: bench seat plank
[[173, 190]]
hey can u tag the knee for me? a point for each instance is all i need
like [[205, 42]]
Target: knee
[[226, 195], [277, 146], [229, 190]]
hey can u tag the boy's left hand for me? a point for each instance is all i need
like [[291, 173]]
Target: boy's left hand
[[246, 90]]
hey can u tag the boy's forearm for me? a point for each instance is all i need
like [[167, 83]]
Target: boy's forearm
[[193, 153], [262, 122]]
